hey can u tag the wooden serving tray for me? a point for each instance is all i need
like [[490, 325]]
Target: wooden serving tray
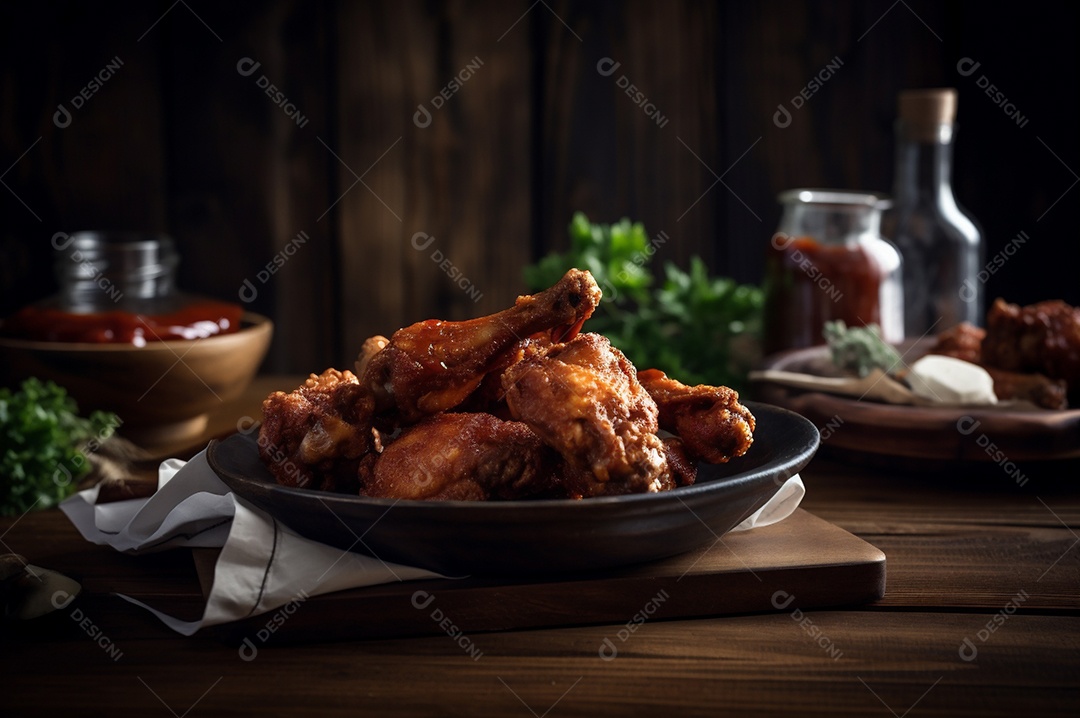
[[802, 562], [924, 437]]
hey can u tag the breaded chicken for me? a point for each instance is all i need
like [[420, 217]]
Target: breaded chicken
[[713, 425], [583, 399], [315, 436], [465, 456]]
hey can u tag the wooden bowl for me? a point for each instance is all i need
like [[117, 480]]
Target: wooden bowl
[[162, 392]]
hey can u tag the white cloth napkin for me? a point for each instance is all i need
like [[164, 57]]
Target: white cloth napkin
[[263, 564]]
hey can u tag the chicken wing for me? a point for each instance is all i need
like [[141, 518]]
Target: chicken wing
[[583, 399], [1042, 337], [465, 457], [712, 424], [964, 341], [432, 366], [315, 436]]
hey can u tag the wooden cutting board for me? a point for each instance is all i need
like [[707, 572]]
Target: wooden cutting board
[[801, 563]]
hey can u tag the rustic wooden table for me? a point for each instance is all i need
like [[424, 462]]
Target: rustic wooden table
[[981, 617]]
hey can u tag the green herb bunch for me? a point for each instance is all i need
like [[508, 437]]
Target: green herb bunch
[[860, 349], [44, 445], [696, 328]]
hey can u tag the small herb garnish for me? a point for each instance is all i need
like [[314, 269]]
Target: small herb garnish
[[43, 442], [860, 349]]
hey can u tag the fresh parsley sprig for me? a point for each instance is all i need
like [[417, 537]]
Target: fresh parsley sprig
[[43, 441]]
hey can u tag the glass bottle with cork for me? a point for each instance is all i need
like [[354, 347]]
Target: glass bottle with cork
[[941, 245]]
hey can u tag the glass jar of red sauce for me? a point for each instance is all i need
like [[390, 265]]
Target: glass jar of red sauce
[[119, 288], [828, 261]]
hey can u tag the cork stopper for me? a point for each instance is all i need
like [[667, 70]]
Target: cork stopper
[[923, 112]]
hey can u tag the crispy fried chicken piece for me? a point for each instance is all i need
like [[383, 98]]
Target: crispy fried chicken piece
[[583, 398], [712, 424], [964, 341], [1042, 338], [683, 468], [489, 397], [368, 350], [315, 436], [432, 366], [465, 457], [1039, 390]]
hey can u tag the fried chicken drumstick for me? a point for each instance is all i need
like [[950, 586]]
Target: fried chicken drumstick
[[432, 366], [465, 457], [518, 404], [316, 436]]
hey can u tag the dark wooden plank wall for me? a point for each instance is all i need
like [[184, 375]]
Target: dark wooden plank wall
[[401, 221]]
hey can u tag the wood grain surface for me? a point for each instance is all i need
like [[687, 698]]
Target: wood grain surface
[[977, 567], [180, 140], [802, 562]]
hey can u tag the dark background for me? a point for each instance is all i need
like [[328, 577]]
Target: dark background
[[179, 141]]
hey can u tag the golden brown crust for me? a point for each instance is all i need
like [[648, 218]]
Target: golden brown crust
[[712, 424], [964, 341], [584, 400], [464, 457], [434, 365], [315, 436], [515, 405]]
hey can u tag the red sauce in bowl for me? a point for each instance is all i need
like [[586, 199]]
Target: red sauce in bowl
[[198, 319]]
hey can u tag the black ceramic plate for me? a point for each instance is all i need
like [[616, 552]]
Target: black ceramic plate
[[533, 537]]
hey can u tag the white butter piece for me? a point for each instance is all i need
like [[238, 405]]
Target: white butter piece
[[948, 380]]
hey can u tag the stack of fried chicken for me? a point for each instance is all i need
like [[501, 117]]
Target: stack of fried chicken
[[1032, 352], [516, 405]]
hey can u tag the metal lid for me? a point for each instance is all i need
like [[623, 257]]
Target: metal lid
[[838, 197], [100, 271], [130, 255]]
